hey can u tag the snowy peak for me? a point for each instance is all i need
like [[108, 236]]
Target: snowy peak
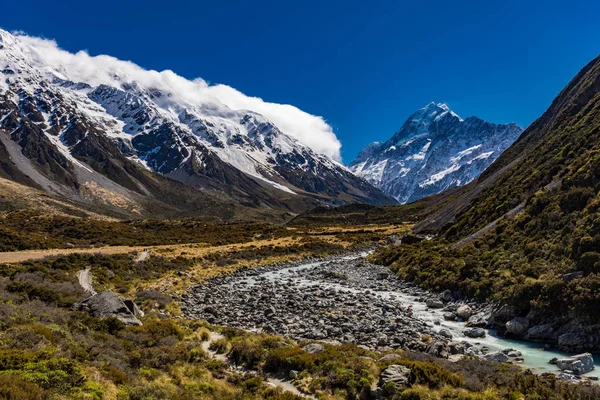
[[433, 151]]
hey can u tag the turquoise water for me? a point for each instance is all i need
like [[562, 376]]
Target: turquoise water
[[536, 355]]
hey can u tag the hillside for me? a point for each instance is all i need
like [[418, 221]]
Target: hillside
[[144, 143], [527, 232]]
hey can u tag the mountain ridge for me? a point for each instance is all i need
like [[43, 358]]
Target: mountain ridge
[[434, 150], [136, 140]]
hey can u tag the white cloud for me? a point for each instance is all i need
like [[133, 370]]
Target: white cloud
[[309, 129]]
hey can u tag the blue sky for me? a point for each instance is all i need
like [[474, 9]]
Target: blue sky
[[362, 65]]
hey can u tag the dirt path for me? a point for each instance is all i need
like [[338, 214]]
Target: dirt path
[[173, 250], [85, 280], [27, 255]]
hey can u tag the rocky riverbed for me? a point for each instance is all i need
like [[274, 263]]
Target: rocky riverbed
[[347, 299]]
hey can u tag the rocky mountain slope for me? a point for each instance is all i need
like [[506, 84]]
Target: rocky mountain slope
[[435, 150], [116, 137], [526, 233]]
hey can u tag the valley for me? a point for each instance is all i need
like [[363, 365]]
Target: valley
[[169, 238]]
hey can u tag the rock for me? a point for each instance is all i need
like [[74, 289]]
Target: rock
[[579, 364], [539, 332], [464, 311], [481, 319], [575, 342], [437, 349], [434, 303], [445, 333], [314, 348], [133, 308], [293, 374], [390, 357], [474, 332], [496, 356], [398, 374], [382, 276], [107, 304], [449, 316], [514, 354], [446, 296], [517, 326], [572, 276]]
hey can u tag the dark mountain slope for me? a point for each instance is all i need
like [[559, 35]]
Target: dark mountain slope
[[527, 233]]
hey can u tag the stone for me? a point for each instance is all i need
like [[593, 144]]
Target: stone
[[390, 357], [107, 304], [398, 374], [575, 342], [514, 354], [474, 332], [572, 276], [437, 349], [446, 296], [293, 374], [481, 319], [464, 311], [314, 348], [579, 364], [496, 356], [517, 326], [449, 316], [540, 332], [446, 333], [434, 303]]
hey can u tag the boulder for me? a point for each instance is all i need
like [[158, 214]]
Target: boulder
[[540, 333], [108, 304], [464, 311], [434, 303], [445, 333], [575, 342], [314, 348], [398, 374], [497, 356], [579, 364], [437, 349], [446, 296], [517, 326], [474, 332], [481, 319]]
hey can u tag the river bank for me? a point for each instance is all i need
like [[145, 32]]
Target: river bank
[[347, 299]]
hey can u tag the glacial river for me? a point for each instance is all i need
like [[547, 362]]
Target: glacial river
[[535, 355]]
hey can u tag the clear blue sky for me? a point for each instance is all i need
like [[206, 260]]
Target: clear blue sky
[[362, 65]]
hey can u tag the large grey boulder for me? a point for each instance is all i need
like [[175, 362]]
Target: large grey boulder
[[517, 326], [540, 332], [108, 304], [398, 374], [579, 364], [434, 303], [575, 342], [496, 356], [464, 311], [474, 332]]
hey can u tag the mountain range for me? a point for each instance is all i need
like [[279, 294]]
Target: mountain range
[[114, 138], [433, 151]]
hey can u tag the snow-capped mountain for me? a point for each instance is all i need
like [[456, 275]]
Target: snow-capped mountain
[[71, 121], [435, 150]]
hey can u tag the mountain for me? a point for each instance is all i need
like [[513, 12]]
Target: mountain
[[526, 233], [433, 151], [104, 131]]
